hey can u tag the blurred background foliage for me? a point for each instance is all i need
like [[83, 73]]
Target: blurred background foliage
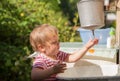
[[18, 18]]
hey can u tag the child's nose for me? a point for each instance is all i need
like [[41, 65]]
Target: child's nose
[[58, 45]]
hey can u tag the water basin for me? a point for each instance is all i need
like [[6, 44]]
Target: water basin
[[87, 68]]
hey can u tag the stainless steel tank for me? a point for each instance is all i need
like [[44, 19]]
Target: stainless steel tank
[[91, 13]]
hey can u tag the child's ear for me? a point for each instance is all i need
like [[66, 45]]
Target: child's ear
[[41, 48]]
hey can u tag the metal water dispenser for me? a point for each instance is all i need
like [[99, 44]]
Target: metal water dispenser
[[91, 13]]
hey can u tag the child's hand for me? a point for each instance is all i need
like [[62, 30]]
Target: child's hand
[[91, 43], [59, 67]]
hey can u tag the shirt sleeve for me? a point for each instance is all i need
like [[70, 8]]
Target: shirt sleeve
[[62, 55], [38, 64]]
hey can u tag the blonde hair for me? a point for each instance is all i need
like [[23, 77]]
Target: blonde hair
[[41, 34]]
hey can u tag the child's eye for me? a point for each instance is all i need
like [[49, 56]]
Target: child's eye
[[56, 42]]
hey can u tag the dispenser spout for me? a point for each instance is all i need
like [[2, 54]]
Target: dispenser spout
[[93, 33]]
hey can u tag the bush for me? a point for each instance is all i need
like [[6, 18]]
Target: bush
[[14, 64]]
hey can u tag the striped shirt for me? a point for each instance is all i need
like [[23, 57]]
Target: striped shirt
[[41, 61]]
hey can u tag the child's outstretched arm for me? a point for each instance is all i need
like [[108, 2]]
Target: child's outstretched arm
[[39, 74], [80, 53]]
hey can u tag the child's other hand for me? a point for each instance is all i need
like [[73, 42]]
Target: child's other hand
[[59, 67], [91, 43]]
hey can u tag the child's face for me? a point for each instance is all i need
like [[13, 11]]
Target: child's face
[[52, 46]]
